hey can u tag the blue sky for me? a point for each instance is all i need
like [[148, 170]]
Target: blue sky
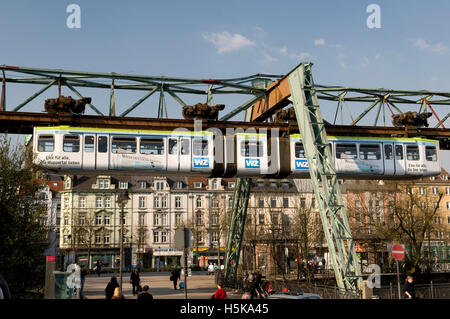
[[222, 39]]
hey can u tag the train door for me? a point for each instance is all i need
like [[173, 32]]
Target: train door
[[185, 154], [400, 161], [102, 156], [89, 157], [389, 165], [173, 160]]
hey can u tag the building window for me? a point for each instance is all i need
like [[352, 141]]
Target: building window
[[435, 190], [156, 201], [302, 202], [199, 202], [159, 185], [214, 219], [103, 183], [156, 237], [178, 185], [81, 220], [98, 202], [142, 202], [142, 184], [445, 177], [214, 184], [107, 202], [231, 184], [98, 239], [197, 185], [285, 202], [98, 220], [66, 220], [123, 185], [106, 239], [214, 203], [230, 201], [177, 219], [273, 202], [106, 220], [163, 219], [164, 237], [67, 184], [447, 191], [141, 219], [198, 219], [82, 202], [261, 219], [164, 201], [177, 201], [66, 202], [261, 203], [275, 219], [214, 236], [199, 237], [422, 190], [156, 219]]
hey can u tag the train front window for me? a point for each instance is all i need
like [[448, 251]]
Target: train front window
[[89, 144], [299, 150], [369, 152], [153, 146], [398, 152], [431, 153], [200, 147], [123, 145], [71, 143], [102, 144], [388, 152], [46, 143], [251, 148], [346, 151], [412, 153]]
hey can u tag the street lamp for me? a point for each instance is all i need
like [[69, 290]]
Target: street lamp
[[122, 200]]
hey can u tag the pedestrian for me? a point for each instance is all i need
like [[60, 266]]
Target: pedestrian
[[220, 292], [210, 269], [83, 274], [145, 294], [117, 294], [247, 294], [112, 285], [258, 280], [408, 288], [135, 281], [98, 268], [174, 276]]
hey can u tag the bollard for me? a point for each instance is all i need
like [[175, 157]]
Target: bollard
[[390, 290], [431, 287]]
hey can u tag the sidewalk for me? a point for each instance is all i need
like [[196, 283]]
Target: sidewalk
[[199, 286]]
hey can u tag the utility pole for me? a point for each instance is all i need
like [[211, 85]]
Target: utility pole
[[122, 199]]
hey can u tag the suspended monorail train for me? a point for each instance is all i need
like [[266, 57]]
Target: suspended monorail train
[[67, 149]]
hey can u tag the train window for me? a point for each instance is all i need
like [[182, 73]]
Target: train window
[[200, 147], [299, 150], [153, 146], [431, 153], [252, 148], [412, 153], [369, 152], [185, 146], [89, 144], [398, 152], [71, 143], [123, 145], [102, 144], [346, 151], [46, 143], [388, 152], [173, 146]]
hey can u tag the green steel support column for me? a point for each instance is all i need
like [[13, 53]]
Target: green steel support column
[[3, 97], [324, 180]]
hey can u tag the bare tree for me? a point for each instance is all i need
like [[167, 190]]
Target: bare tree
[[139, 240], [408, 218]]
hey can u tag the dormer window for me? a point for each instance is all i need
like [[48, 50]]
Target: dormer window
[[67, 183], [159, 185], [142, 184], [178, 185], [197, 185], [103, 183], [123, 185]]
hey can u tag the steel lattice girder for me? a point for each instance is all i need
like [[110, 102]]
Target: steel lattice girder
[[324, 180]]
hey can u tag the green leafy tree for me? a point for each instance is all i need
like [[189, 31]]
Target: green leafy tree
[[23, 235]]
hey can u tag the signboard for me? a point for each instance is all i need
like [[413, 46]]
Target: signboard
[[51, 258], [183, 238], [398, 252]]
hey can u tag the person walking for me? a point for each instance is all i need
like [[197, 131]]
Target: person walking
[[408, 288], [220, 292], [145, 294], [98, 268], [135, 280], [175, 276], [110, 288]]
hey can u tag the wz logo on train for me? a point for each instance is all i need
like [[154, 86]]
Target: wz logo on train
[[252, 163], [301, 164], [201, 162]]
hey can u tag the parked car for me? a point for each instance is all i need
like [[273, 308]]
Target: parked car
[[293, 295]]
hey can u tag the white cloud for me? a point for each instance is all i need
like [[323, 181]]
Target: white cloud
[[439, 47], [227, 42], [320, 41]]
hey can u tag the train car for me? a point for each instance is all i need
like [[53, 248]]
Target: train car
[[67, 149], [365, 157]]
